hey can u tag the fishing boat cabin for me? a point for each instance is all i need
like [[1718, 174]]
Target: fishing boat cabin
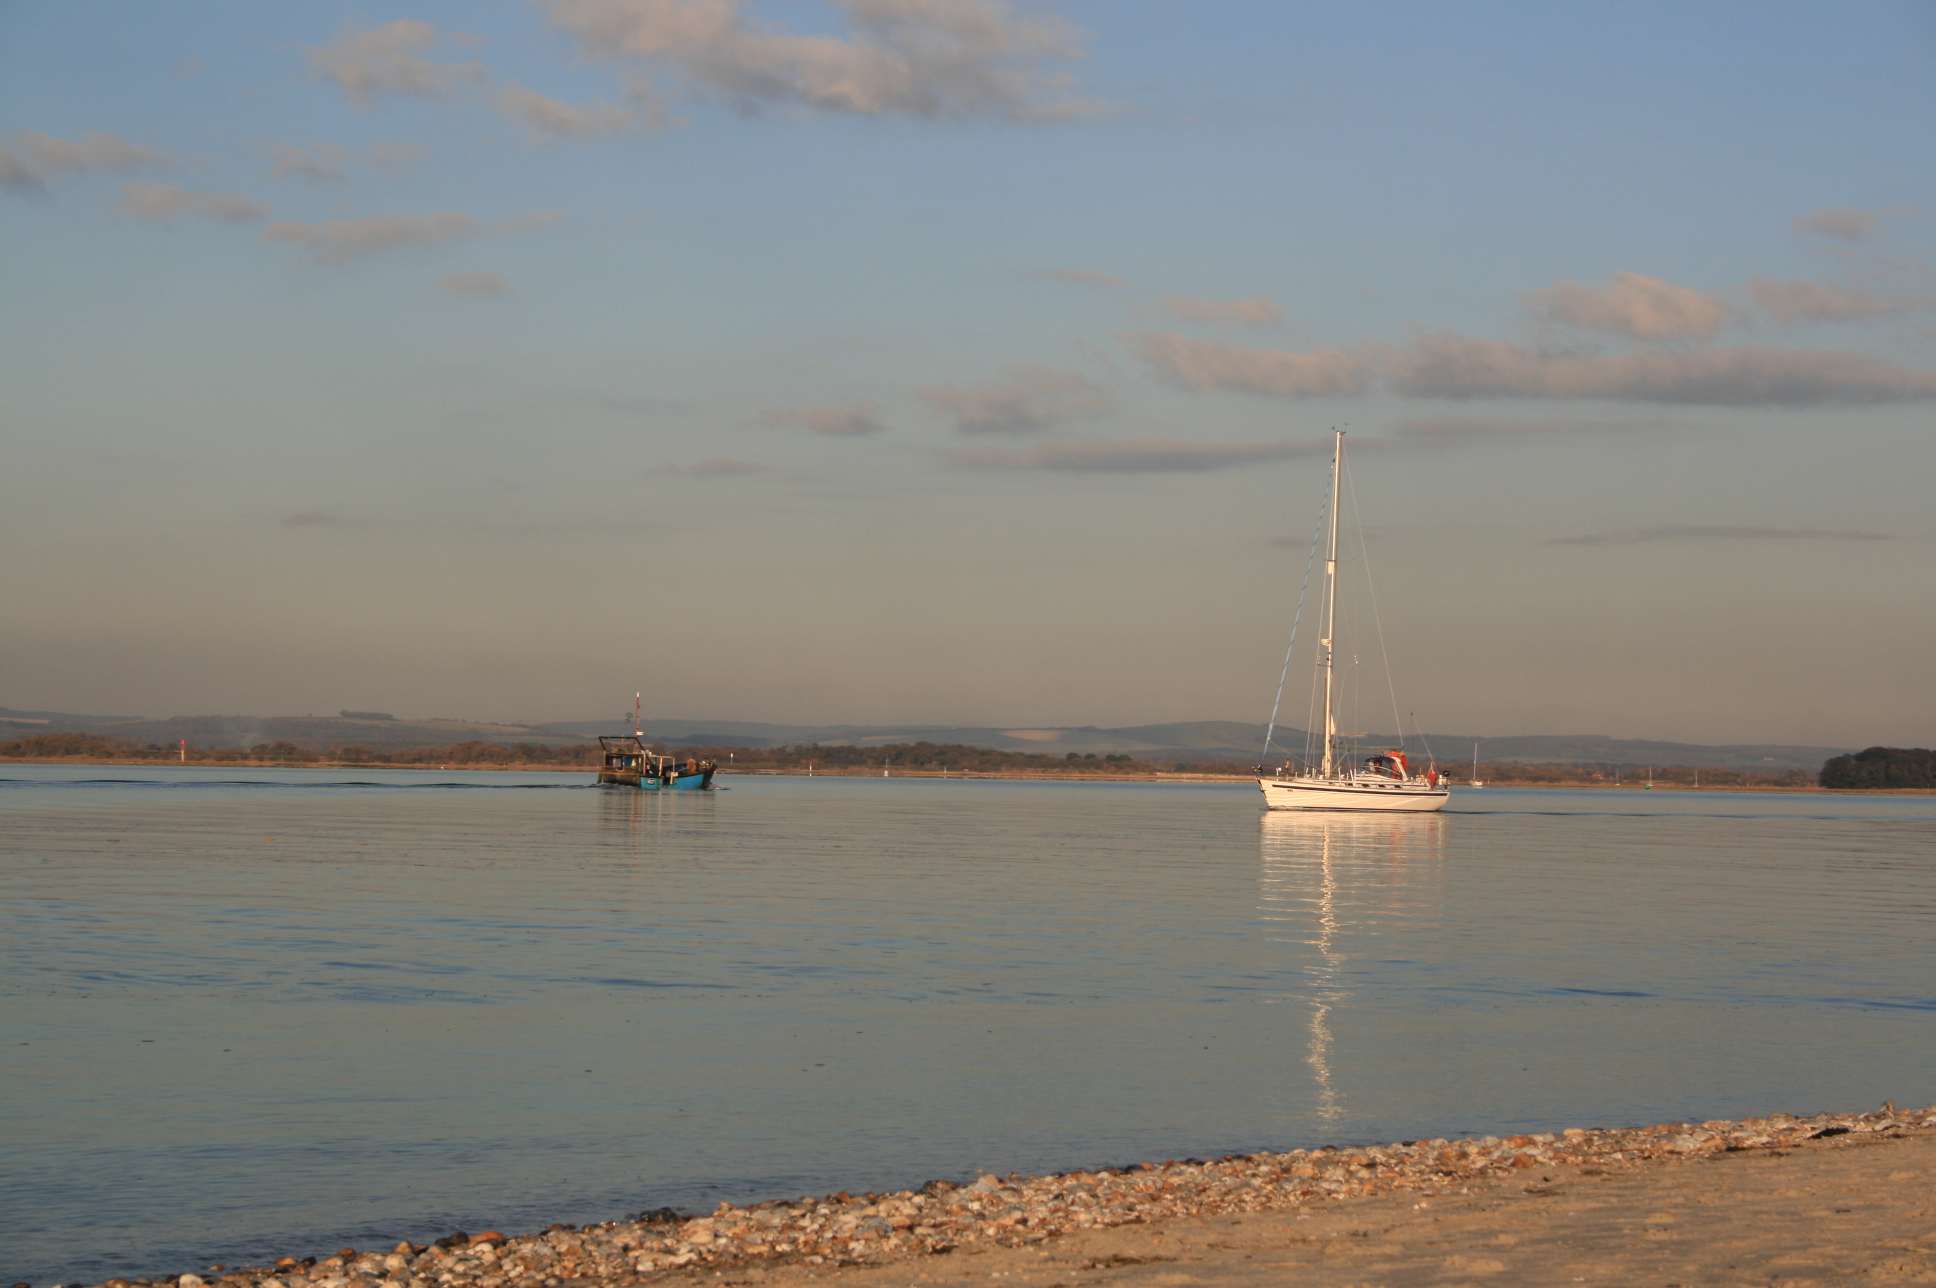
[[630, 763]]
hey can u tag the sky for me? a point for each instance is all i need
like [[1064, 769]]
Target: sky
[[959, 361]]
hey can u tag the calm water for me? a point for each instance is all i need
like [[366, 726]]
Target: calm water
[[251, 1013]]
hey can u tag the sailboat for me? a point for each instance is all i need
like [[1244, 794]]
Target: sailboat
[[1475, 766], [1383, 781]]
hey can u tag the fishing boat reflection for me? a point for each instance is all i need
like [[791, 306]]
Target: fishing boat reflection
[[650, 816], [1334, 886]]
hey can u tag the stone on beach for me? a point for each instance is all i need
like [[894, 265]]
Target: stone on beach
[[1017, 1211]]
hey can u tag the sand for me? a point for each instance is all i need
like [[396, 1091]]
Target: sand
[[1847, 1210]]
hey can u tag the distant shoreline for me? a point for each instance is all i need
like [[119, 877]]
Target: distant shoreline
[[1009, 775]]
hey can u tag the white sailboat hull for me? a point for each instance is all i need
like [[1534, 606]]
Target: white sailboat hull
[[1371, 794]]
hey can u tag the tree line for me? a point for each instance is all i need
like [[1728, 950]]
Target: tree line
[[934, 757], [1882, 767], [1874, 768]]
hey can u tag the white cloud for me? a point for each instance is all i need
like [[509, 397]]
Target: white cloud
[[920, 58], [1133, 456], [1450, 365], [326, 162], [1215, 364], [341, 240], [17, 172], [384, 60], [857, 419], [548, 118], [1635, 536], [1786, 303], [1257, 312], [1631, 304], [165, 201], [473, 283], [1029, 400], [718, 467], [93, 152], [33, 158], [1841, 223]]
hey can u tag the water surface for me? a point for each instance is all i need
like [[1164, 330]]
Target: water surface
[[257, 1012]]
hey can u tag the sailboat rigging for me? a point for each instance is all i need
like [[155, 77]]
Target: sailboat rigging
[[1383, 781]]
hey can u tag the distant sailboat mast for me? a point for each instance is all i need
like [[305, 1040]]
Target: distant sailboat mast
[[1331, 609]]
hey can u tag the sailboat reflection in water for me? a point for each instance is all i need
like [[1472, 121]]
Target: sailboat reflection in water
[[1335, 884]]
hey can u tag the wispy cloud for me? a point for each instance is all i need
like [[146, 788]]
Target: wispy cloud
[[323, 162], [165, 201], [1216, 364], [385, 60], [932, 59], [1257, 312], [1633, 305], [718, 467], [1133, 456], [1841, 223], [93, 152], [17, 173], [1786, 303], [548, 118], [339, 241], [1460, 430], [1027, 400], [1635, 536], [327, 162], [1081, 277], [1450, 365], [473, 283], [854, 420], [33, 158]]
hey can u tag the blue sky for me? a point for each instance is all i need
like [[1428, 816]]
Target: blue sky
[[960, 361]]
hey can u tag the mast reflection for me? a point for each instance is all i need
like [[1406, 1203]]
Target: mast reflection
[[1336, 882]]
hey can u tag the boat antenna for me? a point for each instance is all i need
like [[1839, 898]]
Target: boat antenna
[[1270, 730], [637, 698]]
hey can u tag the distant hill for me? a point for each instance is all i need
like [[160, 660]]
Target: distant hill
[[1231, 740], [1197, 740], [313, 732]]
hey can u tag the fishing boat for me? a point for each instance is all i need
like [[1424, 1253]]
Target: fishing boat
[[1383, 781], [629, 762]]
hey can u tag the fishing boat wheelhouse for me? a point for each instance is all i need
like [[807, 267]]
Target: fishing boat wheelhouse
[[629, 762]]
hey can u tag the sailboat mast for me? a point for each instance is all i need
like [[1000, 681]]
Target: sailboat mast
[[1331, 609]]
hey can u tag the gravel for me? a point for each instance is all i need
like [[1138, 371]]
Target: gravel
[[1014, 1210]]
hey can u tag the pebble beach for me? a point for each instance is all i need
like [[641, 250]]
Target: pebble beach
[[816, 1235]]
